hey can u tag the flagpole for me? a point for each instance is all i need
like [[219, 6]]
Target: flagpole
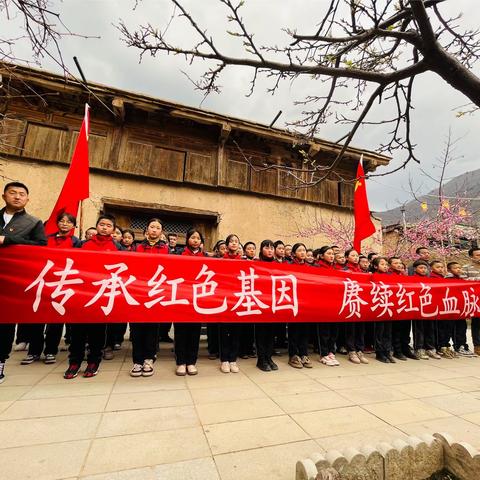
[[80, 220]]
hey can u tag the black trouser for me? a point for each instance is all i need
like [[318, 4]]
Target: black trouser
[[187, 340], [229, 334], [424, 334], [459, 333], [383, 337], [445, 332], [247, 339], [298, 339], [144, 338], [68, 333], [264, 339], [476, 331], [327, 334], [212, 338], [37, 339], [23, 333], [401, 336], [280, 330], [370, 334], [163, 330], [115, 334], [355, 336], [83, 333], [7, 334]]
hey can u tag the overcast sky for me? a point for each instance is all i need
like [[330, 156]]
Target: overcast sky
[[107, 60]]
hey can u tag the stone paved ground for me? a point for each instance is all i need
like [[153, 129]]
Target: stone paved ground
[[251, 425]]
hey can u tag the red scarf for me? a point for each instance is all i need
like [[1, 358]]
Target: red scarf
[[436, 275], [59, 241], [296, 261], [233, 256], [323, 264], [100, 243], [191, 253], [353, 267], [159, 247]]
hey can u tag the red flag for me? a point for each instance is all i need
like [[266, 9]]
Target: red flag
[[76, 185], [364, 226]]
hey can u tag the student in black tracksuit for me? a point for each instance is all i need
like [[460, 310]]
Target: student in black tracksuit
[[265, 332], [400, 328], [93, 334], [298, 333], [459, 330], [144, 336], [187, 334], [382, 330], [280, 328], [17, 227], [229, 333]]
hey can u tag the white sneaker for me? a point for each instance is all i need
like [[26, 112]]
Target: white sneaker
[[136, 370], [462, 351], [22, 346], [234, 367], [333, 359], [225, 367], [327, 361]]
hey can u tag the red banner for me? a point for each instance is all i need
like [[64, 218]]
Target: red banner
[[41, 285]]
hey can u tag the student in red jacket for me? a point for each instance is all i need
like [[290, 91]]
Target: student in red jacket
[[51, 334], [298, 333], [327, 331], [144, 336], [187, 335], [92, 334], [354, 331], [229, 333]]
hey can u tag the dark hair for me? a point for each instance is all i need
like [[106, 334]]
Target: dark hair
[[173, 234], [70, 217], [219, 244], [15, 184], [375, 262], [310, 250], [155, 219], [349, 251], [451, 264], [433, 262], [417, 251], [249, 243], [334, 246], [90, 228], [417, 263], [473, 249], [286, 245], [130, 231], [265, 243], [190, 233], [119, 228], [370, 255], [297, 246], [277, 243], [106, 216], [363, 256], [227, 240], [394, 258]]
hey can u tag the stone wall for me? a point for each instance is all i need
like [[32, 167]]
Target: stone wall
[[411, 459]]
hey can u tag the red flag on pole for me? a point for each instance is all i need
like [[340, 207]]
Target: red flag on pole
[[76, 185], [364, 226]]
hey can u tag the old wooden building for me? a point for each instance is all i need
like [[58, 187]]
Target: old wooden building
[[151, 157]]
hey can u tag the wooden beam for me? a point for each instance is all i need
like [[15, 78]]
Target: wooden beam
[[119, 109]]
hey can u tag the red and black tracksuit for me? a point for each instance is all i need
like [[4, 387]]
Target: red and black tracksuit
[[327, 331], [93, 334], [229, 333], [187, 334], [298, 333], [49, 335], [354, 331], [401, 330], [424, 330], [145, 336]]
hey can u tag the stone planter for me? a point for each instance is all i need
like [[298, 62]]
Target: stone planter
[[411, 459]]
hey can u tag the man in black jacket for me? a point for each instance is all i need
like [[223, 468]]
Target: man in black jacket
[[17, 227]]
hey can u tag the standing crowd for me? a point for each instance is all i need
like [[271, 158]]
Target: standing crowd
[[94, 342]]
